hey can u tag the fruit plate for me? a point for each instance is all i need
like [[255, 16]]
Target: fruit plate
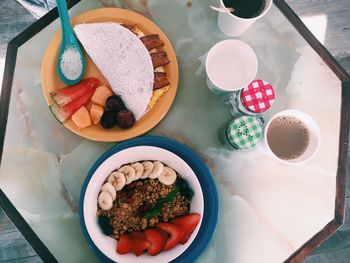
[[50, 80], [186, 162]]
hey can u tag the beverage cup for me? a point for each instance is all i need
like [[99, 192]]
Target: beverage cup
[[234, 26], [314, 138], [230, 65]]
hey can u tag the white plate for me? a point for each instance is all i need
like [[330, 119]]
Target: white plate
[[107, 245]]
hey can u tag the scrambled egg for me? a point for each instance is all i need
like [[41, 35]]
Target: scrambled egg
[[156, 95]]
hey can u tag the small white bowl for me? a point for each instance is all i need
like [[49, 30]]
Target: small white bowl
[[106, 244]]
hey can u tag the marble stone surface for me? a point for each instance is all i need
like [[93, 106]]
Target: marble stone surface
[[267, 209]]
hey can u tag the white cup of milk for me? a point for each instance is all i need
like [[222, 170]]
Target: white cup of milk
[[230, 65]]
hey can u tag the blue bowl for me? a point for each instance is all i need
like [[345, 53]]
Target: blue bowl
[[210, 195]]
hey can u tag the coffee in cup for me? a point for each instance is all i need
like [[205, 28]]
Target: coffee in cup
[[288, 137], [245, 13], [246, 8], [291, 137]]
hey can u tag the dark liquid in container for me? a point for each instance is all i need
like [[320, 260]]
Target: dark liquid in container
[[246, 8]]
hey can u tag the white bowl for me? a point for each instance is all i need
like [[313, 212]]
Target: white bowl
[[106, 244]]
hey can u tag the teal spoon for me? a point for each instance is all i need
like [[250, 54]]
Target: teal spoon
[[68, 65]]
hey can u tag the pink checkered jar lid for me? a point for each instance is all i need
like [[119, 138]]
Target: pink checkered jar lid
[[258, 96]]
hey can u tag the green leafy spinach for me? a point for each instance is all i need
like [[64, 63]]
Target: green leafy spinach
[[157, 208]]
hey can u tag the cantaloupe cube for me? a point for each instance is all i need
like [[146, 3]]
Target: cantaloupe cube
[[96, 112], [101, 94], [81, 118]]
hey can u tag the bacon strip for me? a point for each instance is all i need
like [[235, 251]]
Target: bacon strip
[[160, 80], [152, 41], [159, 58]]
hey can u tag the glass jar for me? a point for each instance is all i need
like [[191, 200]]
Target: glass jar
[[254, 99], [244, 132]]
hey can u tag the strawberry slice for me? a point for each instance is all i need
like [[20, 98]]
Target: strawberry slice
[[124, 245], [187, 224], [68, 94], [141, 244], [138, 234], [175, 234], [157, 239], [131, 243]]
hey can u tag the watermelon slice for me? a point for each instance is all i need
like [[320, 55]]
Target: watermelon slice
[[68, 94], [63, 113]]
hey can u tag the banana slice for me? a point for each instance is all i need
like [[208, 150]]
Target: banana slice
[[109, 188], [128, 172], [138, 169], [105, 200], [111, 178], [117, 179], [157, 170], [168, 176], [148, 167]]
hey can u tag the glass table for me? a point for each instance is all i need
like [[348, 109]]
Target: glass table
[[269, 212]]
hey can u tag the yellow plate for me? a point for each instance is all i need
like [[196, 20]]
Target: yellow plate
[[50, 80]]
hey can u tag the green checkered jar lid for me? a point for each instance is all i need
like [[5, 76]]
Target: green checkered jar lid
[[244, 132]]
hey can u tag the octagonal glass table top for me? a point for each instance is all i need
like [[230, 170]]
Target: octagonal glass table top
[[267, 209]]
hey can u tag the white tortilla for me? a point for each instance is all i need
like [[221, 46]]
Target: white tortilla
[[123, 60]]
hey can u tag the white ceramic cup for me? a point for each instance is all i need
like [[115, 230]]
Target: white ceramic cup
[[230, 65], [234, 26], [314, 139]]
